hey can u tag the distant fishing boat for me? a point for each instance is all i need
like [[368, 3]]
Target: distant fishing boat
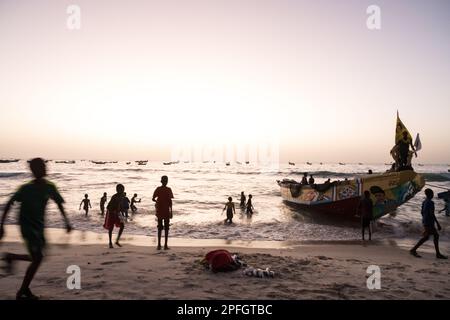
[[227, 164], [420, 165], [142, 162], [321, 163], [247, 162], [8, 161], [341, 198], [167, 163], [128, 162], [66, 161], [341, 164], [309, 163], [291, 163], [98, 162], [360, 163]]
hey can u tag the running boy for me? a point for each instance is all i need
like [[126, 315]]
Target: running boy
[[33, 197]]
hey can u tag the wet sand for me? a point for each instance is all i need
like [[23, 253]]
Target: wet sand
[[302, 270]]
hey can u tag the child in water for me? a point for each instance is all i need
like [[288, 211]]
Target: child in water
[[229, 206], [242, 205], [86, 204], [249, 205]]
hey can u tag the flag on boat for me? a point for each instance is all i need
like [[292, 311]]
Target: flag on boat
[[417, 143], [399, 131]]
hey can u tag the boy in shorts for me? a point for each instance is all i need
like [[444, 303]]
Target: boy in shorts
[[33, 197]]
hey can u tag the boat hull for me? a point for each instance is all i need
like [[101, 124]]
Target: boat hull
[[388, 191]]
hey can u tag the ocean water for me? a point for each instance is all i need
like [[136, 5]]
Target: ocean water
[[201, 190]]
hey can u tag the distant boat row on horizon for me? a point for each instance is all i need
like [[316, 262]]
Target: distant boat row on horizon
[[144, 162]]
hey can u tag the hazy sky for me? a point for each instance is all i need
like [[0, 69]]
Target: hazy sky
[[140, 76]]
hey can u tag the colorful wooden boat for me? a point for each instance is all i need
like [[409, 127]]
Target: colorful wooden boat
[[388, 191]]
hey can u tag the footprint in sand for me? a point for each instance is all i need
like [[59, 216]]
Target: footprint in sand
[[113, 262]]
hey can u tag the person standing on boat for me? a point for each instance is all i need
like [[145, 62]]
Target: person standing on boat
[[305, 178], [429, 221], [243, 199], [163, 197], [365, 211], [403, 149], [311, 179]]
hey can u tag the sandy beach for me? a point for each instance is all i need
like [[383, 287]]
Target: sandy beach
[[302, 270]]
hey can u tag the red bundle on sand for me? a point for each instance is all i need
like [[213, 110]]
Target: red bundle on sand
[[220, 261]]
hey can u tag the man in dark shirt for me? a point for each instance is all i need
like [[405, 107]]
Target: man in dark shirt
[[428, 221], [403, 149], [365, 211]]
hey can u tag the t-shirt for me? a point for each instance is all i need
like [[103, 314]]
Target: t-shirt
[[164, 198], [33, 197], [428, 217], [114, 202], [403, 146]]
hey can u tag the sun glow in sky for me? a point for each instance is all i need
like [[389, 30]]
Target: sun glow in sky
[[141, 76]]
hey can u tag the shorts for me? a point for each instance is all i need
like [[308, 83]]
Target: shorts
[[112, 219], [34, 242], [430, 231], [365, 222]]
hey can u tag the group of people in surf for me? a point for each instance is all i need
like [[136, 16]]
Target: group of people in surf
[[246, 206], [126, 204], [116, 212], [34, 196]]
